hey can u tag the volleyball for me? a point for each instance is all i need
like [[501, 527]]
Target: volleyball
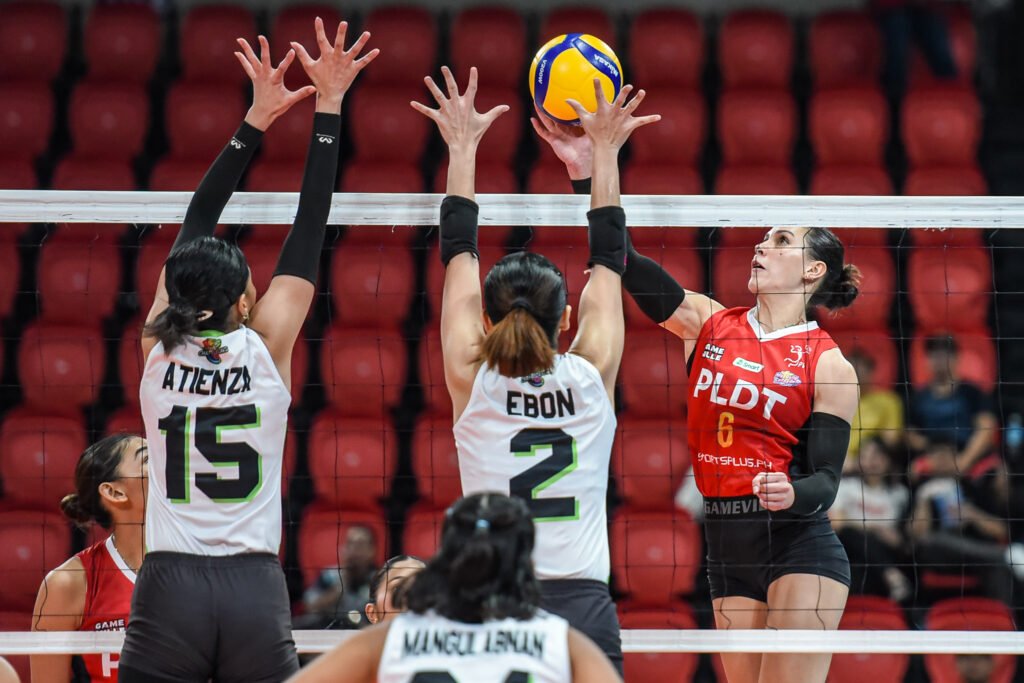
[[565, 68]]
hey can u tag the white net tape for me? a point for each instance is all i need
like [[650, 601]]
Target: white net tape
[[804, 642], [43, 206]]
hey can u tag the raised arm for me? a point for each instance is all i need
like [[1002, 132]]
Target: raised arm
[[462, 328], [270, 99], [655, 291], [279, 315], [601, 325]]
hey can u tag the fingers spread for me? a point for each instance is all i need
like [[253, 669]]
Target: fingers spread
[[496, 112], [286, 62], [365, 61], [321, 36], [360, 43], [425, 110], [473, 79], [449, 79], [339, 37], [578, 108], [599, 93], [303, 56], [635, 102], [540, 129], [435, 91], [248, 52], [620, 99], [265, 52], [246, 65]]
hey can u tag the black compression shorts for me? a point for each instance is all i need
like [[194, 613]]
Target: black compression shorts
[[587, 606], [749, 548]]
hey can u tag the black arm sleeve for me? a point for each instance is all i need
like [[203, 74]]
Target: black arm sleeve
[[460, 224], [217, 186], [655, 291], [826, 450], [300, 254], [606, 233]]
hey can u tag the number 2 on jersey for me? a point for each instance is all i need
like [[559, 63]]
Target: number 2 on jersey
[[445, 677], [529, 483], [209, 422]]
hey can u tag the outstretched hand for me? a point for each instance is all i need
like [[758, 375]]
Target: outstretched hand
[[460, 124], [270, 97], [613, 122], [571, 144], [335, 70]]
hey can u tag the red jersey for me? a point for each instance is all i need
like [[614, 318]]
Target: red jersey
[[108, 601], [750, 393]]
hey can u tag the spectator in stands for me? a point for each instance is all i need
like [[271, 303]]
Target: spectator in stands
[[879, 411], [961, 523], [906, 22], [950, 409], [339, 596], [868, 515], [975, 668]]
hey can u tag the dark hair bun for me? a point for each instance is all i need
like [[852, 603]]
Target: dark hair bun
[[845, 290], [72, 508]]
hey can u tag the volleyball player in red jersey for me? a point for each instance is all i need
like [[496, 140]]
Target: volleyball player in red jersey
[[770, 403], [92, 591]]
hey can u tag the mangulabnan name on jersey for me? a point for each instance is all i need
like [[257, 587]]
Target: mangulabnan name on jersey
[[462, 643], [550, 404], [189, 380]]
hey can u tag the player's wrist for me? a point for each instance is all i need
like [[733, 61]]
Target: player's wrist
[[259, 118], [329, 104]]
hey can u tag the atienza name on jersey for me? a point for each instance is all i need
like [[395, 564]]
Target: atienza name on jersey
[[216, 414], [547, 439]]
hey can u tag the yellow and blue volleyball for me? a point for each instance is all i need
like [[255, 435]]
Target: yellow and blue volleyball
[[565, 68]]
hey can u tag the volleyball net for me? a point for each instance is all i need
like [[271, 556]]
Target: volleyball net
[[928, 511]]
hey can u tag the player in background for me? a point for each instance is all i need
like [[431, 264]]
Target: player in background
[[480, 595], [211, 601], [92, 591], [530, 421], [388, 584]]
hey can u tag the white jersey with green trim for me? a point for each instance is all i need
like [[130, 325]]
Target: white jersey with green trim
[[216, 414], [547, 439], [427, 648]]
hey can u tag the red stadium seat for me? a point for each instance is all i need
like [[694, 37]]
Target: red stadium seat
[[382, 177], [84, 173], [964, 43], [756, 48], [862, 180], [655, 555], [148, 265], [207, 45], [969, 614], [751, 179], [730, 275], [10, 275], [351, 461], [127, 420], [951, 237], [577, 19], [650, 458], [300, 368], [130, 362], [879, 345], [60, 367], [685, 263], [976, 359], [421, 535], [666, 48], [845, 49], [408, 40], [870, 613], [489, 255], [275, 176], [296, 23], [262, 259], [201, 119], [17, 621], [941, 126], [501, 58], [757, 126], [548, 178], [179, 175], [950, 288], [38, 455], [385, 127], [371, 287], [435, 462], [33, 40], [871, 309], [651, 178], [849, 126], [363, 371], [493, 177], [946, 181], [18, 175], [288, 139], [666, 667], [322, 538], [78, 280], [34, 543], [26, 119], [679, 136], [109, 121], [122, 42], [653, 376], [436, 399], [503, 139]]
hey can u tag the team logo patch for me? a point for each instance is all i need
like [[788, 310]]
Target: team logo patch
[[785, 378], [798, 351], [535, 380], [745, 364], [212, 350], [712, 352]]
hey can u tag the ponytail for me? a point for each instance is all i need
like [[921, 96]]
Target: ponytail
[[517, 346], [845, 290], [840, 285], [97, 464], [173, 324]]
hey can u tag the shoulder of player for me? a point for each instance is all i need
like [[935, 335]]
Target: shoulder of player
[[63, 590], [833, 368]]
